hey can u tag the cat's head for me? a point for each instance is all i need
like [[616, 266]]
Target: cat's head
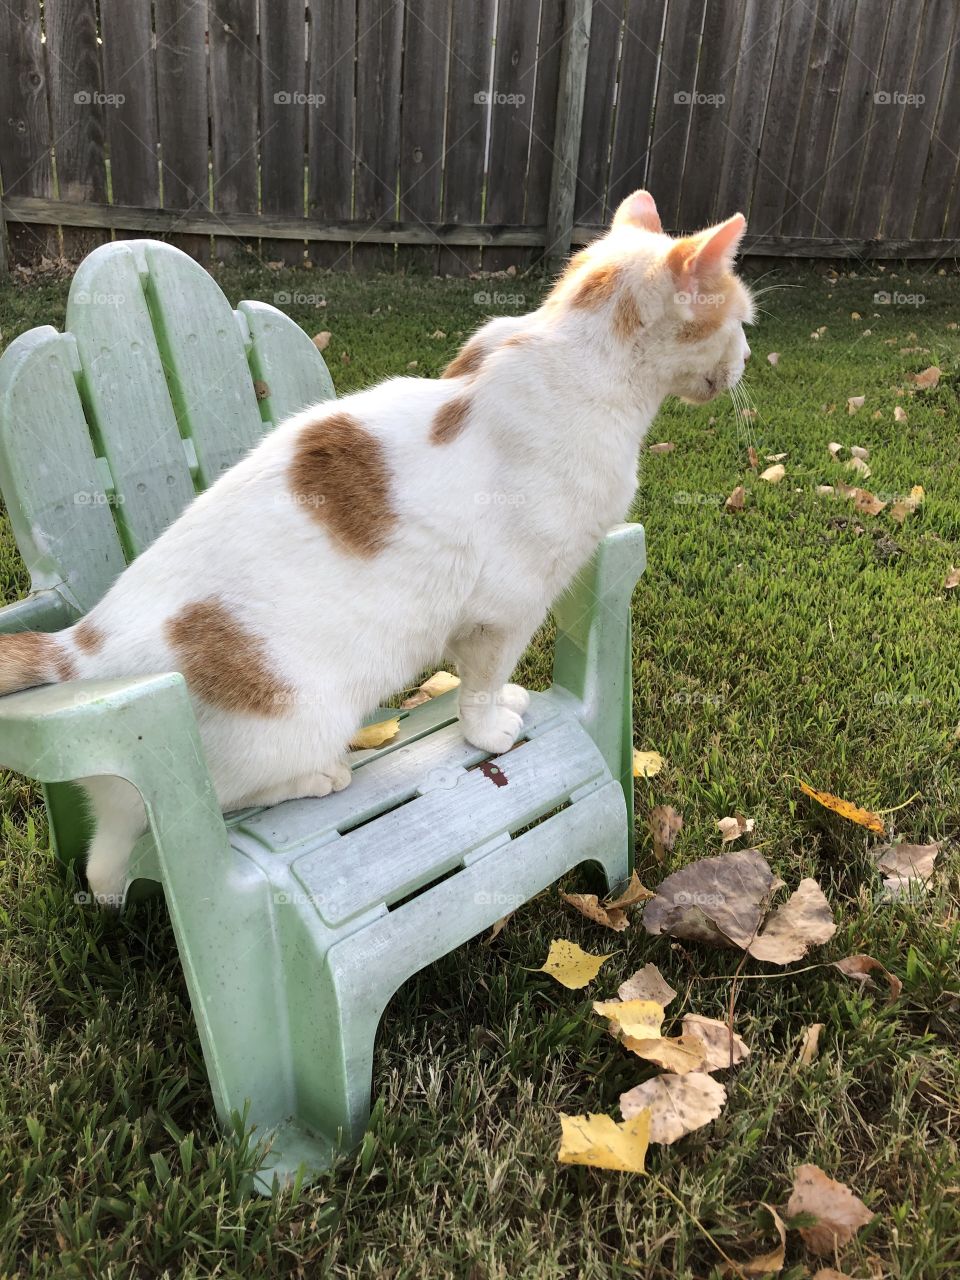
[[678, 300]]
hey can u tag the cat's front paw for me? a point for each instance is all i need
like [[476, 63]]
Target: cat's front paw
[[514, 697], [492, 728]]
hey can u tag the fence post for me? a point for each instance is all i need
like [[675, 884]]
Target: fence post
[[566, 138], [4, 265]]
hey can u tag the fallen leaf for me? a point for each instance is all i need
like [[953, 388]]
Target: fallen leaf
[[835, 449], [753, 457], [855, 315], [647, 983], [775, 457], [774, 357], [438, 335], [860, 967], [927, 380], [432, 687], [721, 1049], [735, 827], [589, 905], [773, 1259], [665, 824], [773, 475], [664, 447], [679, 1054], [260, 389], [839, 1213], [858, 451], [322, 340], [638, 1018], [805, 920], [677, 1104], [738, 498], [906, 506], [865, 501], [825, 488], [852, 812], [952, 580], [601, 1143], [647, 764], [905, 865], [858, 465], [498, 926], [375, 735], [718, 900], [570, 965], [810, 1045], [830, 1273], [854, 403], [631, 895], [899, 413]]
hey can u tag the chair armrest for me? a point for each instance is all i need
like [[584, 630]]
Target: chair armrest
[[45, 610], [601, 591]]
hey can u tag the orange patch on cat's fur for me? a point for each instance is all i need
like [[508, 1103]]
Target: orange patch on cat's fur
[[224, 664], [467, 361], [29, 658], [449, 420], [88, 638], [626, 316], [715, 295], [340, 476], [596, 286]]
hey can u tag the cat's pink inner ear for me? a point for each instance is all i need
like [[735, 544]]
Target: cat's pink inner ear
[[717, 248], [638, 210]]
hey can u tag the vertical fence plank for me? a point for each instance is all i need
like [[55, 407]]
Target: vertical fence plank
[[853, 122], [550, 103], [880, 145], [331, 125], [283, 107], [710, 111], [129, 78], [76, 113], [773, 190], [379, 58], [511, 110], [636, 89], [816, 116], [25, 158], [569, 95], [182, 113], [606, 26], [234, 80], [743, 125], [928, 83], [941, 171], [425, 66], [471, 42], [674, 106]]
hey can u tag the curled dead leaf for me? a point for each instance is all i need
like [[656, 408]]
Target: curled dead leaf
[[810, 1045], [734, 827], [952, 580], [737, 499], [928, 379], [899, 413], [858, 465], [858, 451], [845, 809], [753, 458], [839, 1213], [440, 682], [774, 474], [375, 735], [905, 865], [773, 357], [860, 967], [664, 447], [322, 340], [772, 1260], [665, 825], [854, 403]]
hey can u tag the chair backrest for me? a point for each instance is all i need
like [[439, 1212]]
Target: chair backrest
[[156, 387]]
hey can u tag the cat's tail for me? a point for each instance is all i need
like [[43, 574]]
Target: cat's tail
[[28, 658]]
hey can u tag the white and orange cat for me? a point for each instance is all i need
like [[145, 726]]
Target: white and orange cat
[[368, 538]]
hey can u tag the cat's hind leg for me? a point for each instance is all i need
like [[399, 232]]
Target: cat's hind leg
[[491, 711]]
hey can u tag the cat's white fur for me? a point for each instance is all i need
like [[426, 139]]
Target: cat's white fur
[[490, 527]]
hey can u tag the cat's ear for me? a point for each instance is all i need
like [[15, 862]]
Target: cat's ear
[[710, 252], [638, 210]]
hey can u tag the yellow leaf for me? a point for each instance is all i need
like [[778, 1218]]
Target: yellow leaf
[[601, 1143], [572, 967], [375, 735], [646, 764], [322, 340], [640, 1019], [852, 812], [678, 1054], [432, 687]]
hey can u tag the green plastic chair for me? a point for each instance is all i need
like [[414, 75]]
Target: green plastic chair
[[295, 924]]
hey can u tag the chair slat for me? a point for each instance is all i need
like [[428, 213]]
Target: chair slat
[[285, 361]]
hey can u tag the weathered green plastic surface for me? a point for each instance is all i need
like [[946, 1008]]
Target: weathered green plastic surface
[[295, 924]]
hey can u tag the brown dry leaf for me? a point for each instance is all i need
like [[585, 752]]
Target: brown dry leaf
[[810, 1045], [839, 1213], [774, 357], [906, 506], [677, 1104], [852, 812], [322, 340], [375, 735], [498, 926], [589, 905], [773, 1259], [647, 983], [860, 967], [665, 446], [631, 895], [952, 580], [679, 1054], [647, 764], [735, 827], [641, 1019], [773, 475], [738, 498], [927, 380], [432, 687], [905, 865], [601, 1143], [260, 389], [571, 966], [665, 824], [775, 457], [805, 920], [866, 502], [835, 449], [899, 414], [718, 900], [753, 457], [825, 488], [721, 1049], [854, 403], [858, 451], [858, 465], [438, 335]]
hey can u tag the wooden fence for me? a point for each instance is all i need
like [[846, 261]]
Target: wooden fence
[[460, 134]]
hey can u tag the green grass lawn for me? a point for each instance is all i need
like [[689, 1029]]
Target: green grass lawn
[[796, 639]]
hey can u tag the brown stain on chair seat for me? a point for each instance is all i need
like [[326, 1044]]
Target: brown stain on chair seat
[[340, 477], [223, 663], [449, 420]]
